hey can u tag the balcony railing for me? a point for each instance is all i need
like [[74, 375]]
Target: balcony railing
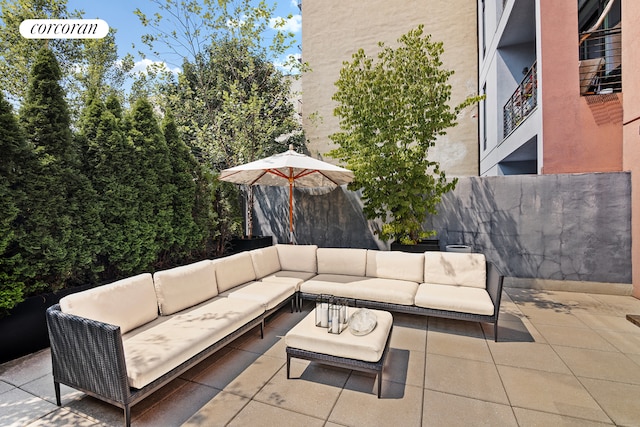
[[601, 61], [522, 102]]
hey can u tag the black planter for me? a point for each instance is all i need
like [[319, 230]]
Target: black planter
[[423, 245], [242, 244], [24, 330]]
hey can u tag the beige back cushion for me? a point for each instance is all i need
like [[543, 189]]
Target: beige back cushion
[[395, 265], [265, 261], [127, 303], [185, 286], [234, 270], [451, 268], [298, 257], [352, 262]]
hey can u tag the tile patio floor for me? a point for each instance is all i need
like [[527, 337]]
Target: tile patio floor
[[564, 359]]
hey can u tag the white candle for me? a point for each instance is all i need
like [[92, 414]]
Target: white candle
[[324, 315], [335, 325]]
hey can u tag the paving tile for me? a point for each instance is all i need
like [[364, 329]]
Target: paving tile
[[411, 321], [519, 330], [603, 322], [239, 371], [528, 355], [219, 411], [26, 369], [358, 404], [443, 409], [619, 401], [4, 387], [616, 304], [574, 337], [529, 418], [541, 317], [18, 408], [312, 389], [404, 367], [461, 346], [626, 343], [65, 418], [174, 411], [463, 377], [271, 345], [263, 415], [408, 338], [550, 392], [44, 389], [456, 327], [604, 365], [253, 378]]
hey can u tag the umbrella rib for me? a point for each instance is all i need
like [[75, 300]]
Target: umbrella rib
[[310, 171]]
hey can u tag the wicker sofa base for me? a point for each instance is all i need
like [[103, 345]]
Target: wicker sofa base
[[341, 362]]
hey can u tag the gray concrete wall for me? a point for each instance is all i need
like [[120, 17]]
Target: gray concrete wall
[[548, 227], [558, 227]]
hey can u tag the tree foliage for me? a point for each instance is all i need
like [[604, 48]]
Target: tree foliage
[[17, 54], [392, 109], [230, 102], [16, 159], [61, 216]]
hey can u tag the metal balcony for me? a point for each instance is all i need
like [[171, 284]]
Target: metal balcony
[[601, 61], [522, 102]]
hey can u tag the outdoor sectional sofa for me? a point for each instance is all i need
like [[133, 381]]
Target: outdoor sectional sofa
[[122, 341]]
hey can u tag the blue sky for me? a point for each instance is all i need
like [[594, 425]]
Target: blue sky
[[119, 14]]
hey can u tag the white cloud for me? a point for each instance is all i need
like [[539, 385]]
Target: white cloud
[[293, 24], [144, 64], [285, 64], [294, 3]]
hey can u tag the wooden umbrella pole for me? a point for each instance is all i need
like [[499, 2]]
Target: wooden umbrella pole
[[291, 199]]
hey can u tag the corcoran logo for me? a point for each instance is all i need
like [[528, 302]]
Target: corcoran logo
[[64, 28]]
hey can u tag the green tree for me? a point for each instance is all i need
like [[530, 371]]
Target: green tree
[[155, 189], [391, 113], [16, 158], [61, 216], [230, 102], [188, 236], [17, 54]]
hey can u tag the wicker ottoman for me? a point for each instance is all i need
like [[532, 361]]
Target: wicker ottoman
[[365, 353]]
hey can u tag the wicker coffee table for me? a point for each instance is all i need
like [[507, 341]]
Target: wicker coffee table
[[365, 353]]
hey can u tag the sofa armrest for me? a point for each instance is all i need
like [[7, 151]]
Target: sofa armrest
[[494, 286], [87, 355]]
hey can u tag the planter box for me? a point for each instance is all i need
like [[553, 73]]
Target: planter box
[[245, 244], [422, 246], [24, 330]]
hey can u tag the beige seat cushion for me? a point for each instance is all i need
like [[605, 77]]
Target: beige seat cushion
[[265, 261], [451, 268], [127, 303], [366, 288], [454, 298], [293, 281], [185, 286], [352, 262], [234, 270], [157, 350], [301, 275], [269, 294], [369, 348], [298, 257], [395, 265]]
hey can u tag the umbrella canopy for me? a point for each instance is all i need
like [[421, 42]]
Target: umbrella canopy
[[288, 169]]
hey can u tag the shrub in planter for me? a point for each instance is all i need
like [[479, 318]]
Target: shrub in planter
[[391, 112]]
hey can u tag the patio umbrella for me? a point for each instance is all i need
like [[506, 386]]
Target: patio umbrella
[[288, 168]]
